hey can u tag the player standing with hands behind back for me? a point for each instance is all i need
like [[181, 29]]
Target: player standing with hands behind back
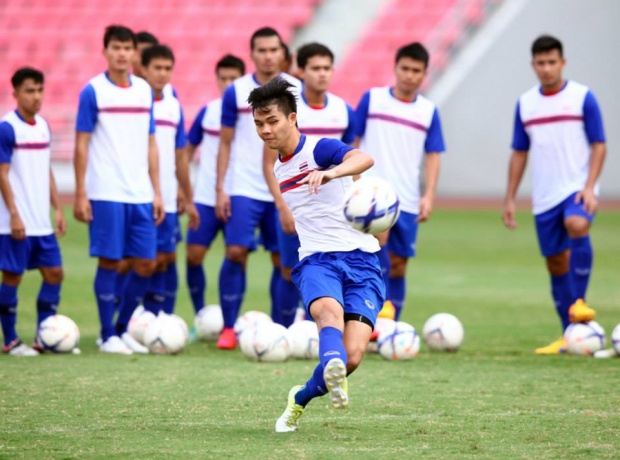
[[559, 125]]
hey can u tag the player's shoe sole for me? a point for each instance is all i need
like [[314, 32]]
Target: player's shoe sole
[[335, 376], [579, 312], [604, 354]]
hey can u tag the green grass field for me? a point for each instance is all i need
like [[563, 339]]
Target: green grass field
[[492, 399]]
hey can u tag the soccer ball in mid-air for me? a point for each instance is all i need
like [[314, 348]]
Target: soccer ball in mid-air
[[139, 322], [268, 342], [443, 332], [58, 334], [304, 340], [615, 339], [209, 322], [584, 338], [400, 343], [371, 205], [250, 320], [165, 335]]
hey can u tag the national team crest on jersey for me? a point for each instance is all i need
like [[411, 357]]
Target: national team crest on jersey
[[303, 167]]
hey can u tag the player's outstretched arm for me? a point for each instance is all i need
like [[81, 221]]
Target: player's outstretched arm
[[158, 204], [81, 208], [587, 196], [185, 187], [61, 223], [431, 176], [222, 204], [287, 221], [18, 229], [518, 161], [353, 163]]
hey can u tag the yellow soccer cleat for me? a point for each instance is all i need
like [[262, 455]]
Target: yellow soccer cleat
[[289, 420], [554, 348], [579, 312], [388, 311]]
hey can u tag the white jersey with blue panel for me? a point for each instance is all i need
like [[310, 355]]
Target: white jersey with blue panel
[[246, 154], [205, 131], [335, 119], [398, 134], [170, 136], [120, 120], [319, 218], [557, 130], [27, 148]]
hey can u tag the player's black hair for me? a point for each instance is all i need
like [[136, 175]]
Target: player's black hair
[[415, 51], [120, 33], [232, 62], [156, 51], [310, 50], [275, 92], [264, 32], [287, 52], [26, 73], [546, 43], [146, 37]]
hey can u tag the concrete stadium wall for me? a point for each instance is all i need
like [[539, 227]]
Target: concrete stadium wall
[[477, 96]]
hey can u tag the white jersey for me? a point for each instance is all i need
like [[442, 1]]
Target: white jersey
[[170, 136], [557, 131], [319, 218], [120, 121], [334, 120], [246, 154], [27, 148], [397, 134]]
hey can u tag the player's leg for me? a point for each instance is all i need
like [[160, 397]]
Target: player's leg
[[155, 295], [577, 223], [122, 273], [269, 223], [286, 291], [401, 247], [46, 257], [171, 283]]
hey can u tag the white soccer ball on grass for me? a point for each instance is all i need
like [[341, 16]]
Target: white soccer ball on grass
[[58, 334], [139, 322], [584, 338], [165, 335], [209, 322], [402, 342], [443, 332], [304, 340], [268, 342]]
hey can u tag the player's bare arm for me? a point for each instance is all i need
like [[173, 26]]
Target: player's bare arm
[[158, 204], [432, 161], [286, 216], [185, 187], [81, 208], [587, 196], [18, 229], [222, 203], [518, 162], [61, 223], [354, 162]]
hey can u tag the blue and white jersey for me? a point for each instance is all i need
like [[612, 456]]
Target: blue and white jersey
[[169, 90], [246, 155], [120, 120], [205, 131], [27, 148], [397, 134], [335, 119], [319, 218], [170, 136], [557, 130]]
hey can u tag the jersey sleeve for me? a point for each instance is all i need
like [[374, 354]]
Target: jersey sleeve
[[152, 118], [328, 152], [592, 119], [195, 132], [87, 110], [434, 136], [520, 139], [180, 140], [349, 134], [229, 107], [361, 114], [7, 142]]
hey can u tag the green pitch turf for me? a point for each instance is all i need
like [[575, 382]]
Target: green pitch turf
[[492, 399]]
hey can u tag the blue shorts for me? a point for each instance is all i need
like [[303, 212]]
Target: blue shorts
[[17, 256], [248, 214], [210, 225], [288, 246], [403, 235], [353, 278], [552, 234], [120, 230], [167, 233]]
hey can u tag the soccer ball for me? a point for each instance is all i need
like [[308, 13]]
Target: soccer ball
[[615, 339], [382, 325], [304, 340], [250, 320], [401, 343], [138, 323], [584, 338], [209, 322], [58, 334], [183, 326], [443, 332], [268, 342], [371, 205], [165, 335]]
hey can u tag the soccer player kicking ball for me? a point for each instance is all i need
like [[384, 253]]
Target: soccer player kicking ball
[[338, 276], [559, 125]]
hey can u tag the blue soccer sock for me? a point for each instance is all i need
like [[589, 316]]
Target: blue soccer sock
[[155, 294], [581, 256], [134, 294], [563, 296], [231, 286], [313, 388], [197, 285], [8, 312], [47, 302], [171, 286], [384, 261], [104, 293], [119, 289], [276, 304], [397, 288], [331, 346], [288, 300]]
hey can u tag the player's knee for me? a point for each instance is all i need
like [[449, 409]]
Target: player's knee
[[171, 258], [123, 266], [577, 227], [11, 279], [354, 358], [275, 259], [287, 273], [558, 264], [109, 264], [327, 313], [53, 275], [195, 256], [236, 254], [398, 266], [145, 267]]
